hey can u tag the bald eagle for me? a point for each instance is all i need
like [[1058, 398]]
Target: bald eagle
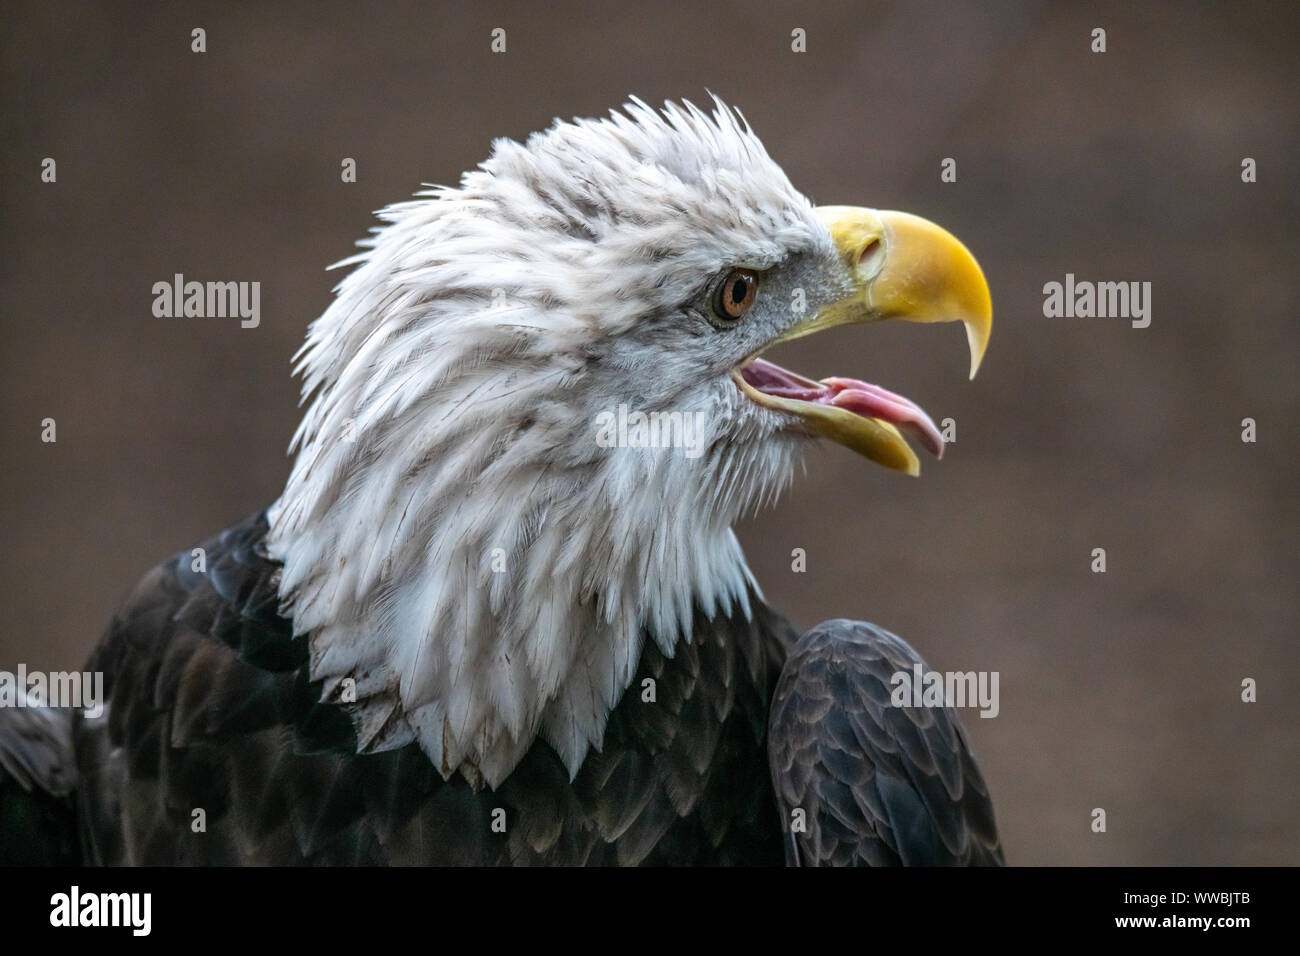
[[470, 631]]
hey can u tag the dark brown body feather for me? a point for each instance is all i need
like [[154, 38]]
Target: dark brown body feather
[[214, 748]]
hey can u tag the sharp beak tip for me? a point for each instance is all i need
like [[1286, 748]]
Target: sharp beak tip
[[978, 338]]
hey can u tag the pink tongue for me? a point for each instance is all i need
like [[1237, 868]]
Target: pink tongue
[[863, 398], [860, 398]]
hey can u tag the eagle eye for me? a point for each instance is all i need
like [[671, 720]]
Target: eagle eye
[[736, 294]]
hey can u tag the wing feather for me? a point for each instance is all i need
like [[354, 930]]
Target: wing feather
[[878, 785]]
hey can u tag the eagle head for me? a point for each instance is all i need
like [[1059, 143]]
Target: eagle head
[[538, 403]]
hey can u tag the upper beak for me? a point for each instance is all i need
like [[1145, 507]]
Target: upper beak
[[904, 267]]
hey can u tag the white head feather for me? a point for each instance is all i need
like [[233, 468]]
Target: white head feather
[[455, 384]]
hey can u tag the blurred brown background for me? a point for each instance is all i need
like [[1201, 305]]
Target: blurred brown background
[[1119, 691]]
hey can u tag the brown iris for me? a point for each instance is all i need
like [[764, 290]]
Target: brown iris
[[737, 294]]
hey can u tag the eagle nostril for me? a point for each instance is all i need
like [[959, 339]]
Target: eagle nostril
[[871, 258]]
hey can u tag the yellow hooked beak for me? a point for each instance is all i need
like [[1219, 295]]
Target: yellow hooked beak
[[906, 267], [901, 267]]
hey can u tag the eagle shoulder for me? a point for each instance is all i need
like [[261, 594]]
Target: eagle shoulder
[[207, 699], [872, 784]]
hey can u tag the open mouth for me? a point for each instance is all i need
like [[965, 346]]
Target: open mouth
[[898, 266], [862, 416]]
